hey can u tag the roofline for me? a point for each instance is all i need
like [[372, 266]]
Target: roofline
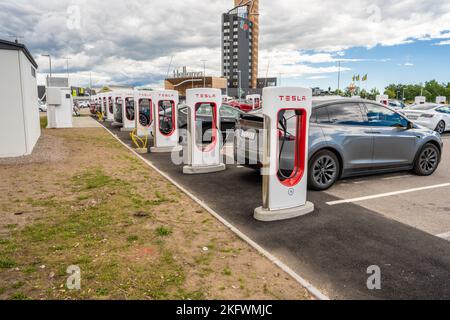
[[8, 45]]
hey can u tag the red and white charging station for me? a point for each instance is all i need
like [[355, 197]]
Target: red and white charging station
[[441, 100], [144, 112], [286, 112], [104, 105], [165, 121], [128, 111], [255, 100], [382, 99], [420, 100], [117, 108], [204, 157], [109, 113]]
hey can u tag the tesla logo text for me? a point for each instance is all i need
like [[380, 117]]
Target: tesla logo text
[[205, 96], [292, 98]]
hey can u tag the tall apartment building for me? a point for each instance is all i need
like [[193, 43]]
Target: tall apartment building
[[240, 37]]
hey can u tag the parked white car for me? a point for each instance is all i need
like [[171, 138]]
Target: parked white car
[[42, 106], [431, 115]]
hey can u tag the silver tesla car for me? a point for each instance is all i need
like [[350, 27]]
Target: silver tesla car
[[348, 137]]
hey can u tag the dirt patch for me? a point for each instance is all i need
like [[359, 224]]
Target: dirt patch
[[48, 149], [132, 233]]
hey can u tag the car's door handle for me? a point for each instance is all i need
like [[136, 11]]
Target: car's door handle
[[376, 132]]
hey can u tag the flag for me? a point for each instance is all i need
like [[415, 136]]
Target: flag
[[354, 78], [358, 77], [364, 78]]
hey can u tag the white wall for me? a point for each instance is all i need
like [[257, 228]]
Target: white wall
[[30, 97], [19, 114], [12, 130]]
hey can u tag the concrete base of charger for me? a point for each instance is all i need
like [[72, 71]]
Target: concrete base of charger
[[116, 124], [165, 149], [141, 150], [203, 169], [266, 215], [126, 129]]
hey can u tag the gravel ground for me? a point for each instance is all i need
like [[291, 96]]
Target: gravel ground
[[48, 149]]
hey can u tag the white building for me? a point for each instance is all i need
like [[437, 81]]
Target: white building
[[19, 112]]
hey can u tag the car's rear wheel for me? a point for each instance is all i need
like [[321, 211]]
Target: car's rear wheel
[[143, 120], [440, 127], [324, 170], [427, 161]]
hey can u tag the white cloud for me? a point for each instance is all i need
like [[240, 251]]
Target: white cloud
[[443, 43], [133, 41], [318, 77]]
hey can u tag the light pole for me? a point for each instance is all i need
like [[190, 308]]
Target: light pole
[[239, 93], [67, 65], [339, 76], [204, 72], [50, 62]]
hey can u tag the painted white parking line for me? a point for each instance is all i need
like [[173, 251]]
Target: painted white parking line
[[445, 236], [398, 177], [389, 194]]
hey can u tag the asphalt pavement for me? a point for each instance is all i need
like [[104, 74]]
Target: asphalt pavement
[[333, 247]]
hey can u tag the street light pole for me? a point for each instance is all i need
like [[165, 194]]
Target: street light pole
[[50, 62], [67, 66], [204, 72], [239, 93], [339, 76]]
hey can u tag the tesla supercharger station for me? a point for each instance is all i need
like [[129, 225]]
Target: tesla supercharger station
[[420, 100], [255, 99], [383, 99], [128, 111], [117, 109], [286, 111], [144, 111], [441, 100], [109, 114], [204, 157], [165, 122], [60, 108], [104, 105]]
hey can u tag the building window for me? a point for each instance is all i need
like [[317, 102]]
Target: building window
[[33, 72]]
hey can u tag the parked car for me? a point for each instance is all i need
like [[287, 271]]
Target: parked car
[[243, 105], [348, 137], [430, 115], [396, 105], [42, 106]]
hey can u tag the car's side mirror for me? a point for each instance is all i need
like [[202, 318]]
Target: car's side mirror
[[410, 125]]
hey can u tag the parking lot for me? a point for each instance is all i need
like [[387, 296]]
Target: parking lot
[[398, 222], [419, 202]]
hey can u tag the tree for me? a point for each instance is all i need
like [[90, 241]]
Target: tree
[[391, 93], [105, 89], [430, 90]]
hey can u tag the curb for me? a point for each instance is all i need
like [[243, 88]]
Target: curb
[[306, 284]]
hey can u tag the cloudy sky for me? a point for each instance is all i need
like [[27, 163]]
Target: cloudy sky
[[132, 42]]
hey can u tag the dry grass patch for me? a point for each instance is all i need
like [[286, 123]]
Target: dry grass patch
[[132, 233]]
